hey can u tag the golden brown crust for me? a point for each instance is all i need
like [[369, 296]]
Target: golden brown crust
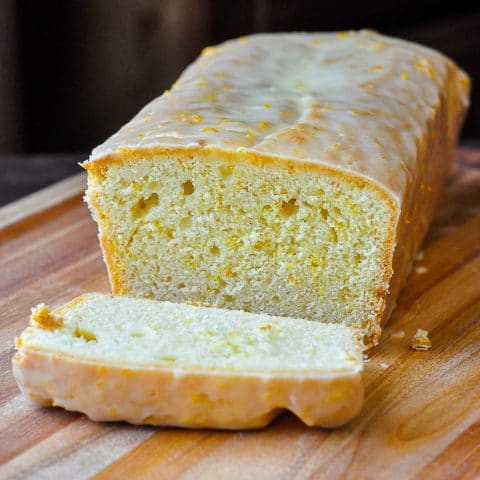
[[108, 245], [202, 399], [436, 155]]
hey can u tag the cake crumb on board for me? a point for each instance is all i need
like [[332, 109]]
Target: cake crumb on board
[[420, 341]]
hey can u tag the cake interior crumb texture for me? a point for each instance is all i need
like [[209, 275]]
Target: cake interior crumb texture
[[139, 332], [254, 236]]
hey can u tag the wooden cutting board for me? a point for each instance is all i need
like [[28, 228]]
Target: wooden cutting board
[[422, 413]]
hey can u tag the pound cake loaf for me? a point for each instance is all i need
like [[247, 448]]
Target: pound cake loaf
[[159, 363], [290, 174]]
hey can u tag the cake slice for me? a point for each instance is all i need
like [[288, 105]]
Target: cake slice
[[146, 362], [289, 174]]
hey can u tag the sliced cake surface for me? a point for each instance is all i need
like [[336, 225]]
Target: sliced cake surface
[[143, 361], [289, 174]]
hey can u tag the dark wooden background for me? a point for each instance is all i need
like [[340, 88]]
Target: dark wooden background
[[72, 72]]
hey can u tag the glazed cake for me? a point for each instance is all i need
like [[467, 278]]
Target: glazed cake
[[159, 363], [289, 174]]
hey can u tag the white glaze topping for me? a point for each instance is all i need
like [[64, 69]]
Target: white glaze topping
[[354, 101]]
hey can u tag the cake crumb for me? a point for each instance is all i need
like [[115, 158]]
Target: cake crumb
[[421, 270], [384, 365], [420, 341], [398, 335], [420, 256]]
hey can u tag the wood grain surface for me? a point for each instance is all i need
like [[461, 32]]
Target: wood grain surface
[[421, 418]]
